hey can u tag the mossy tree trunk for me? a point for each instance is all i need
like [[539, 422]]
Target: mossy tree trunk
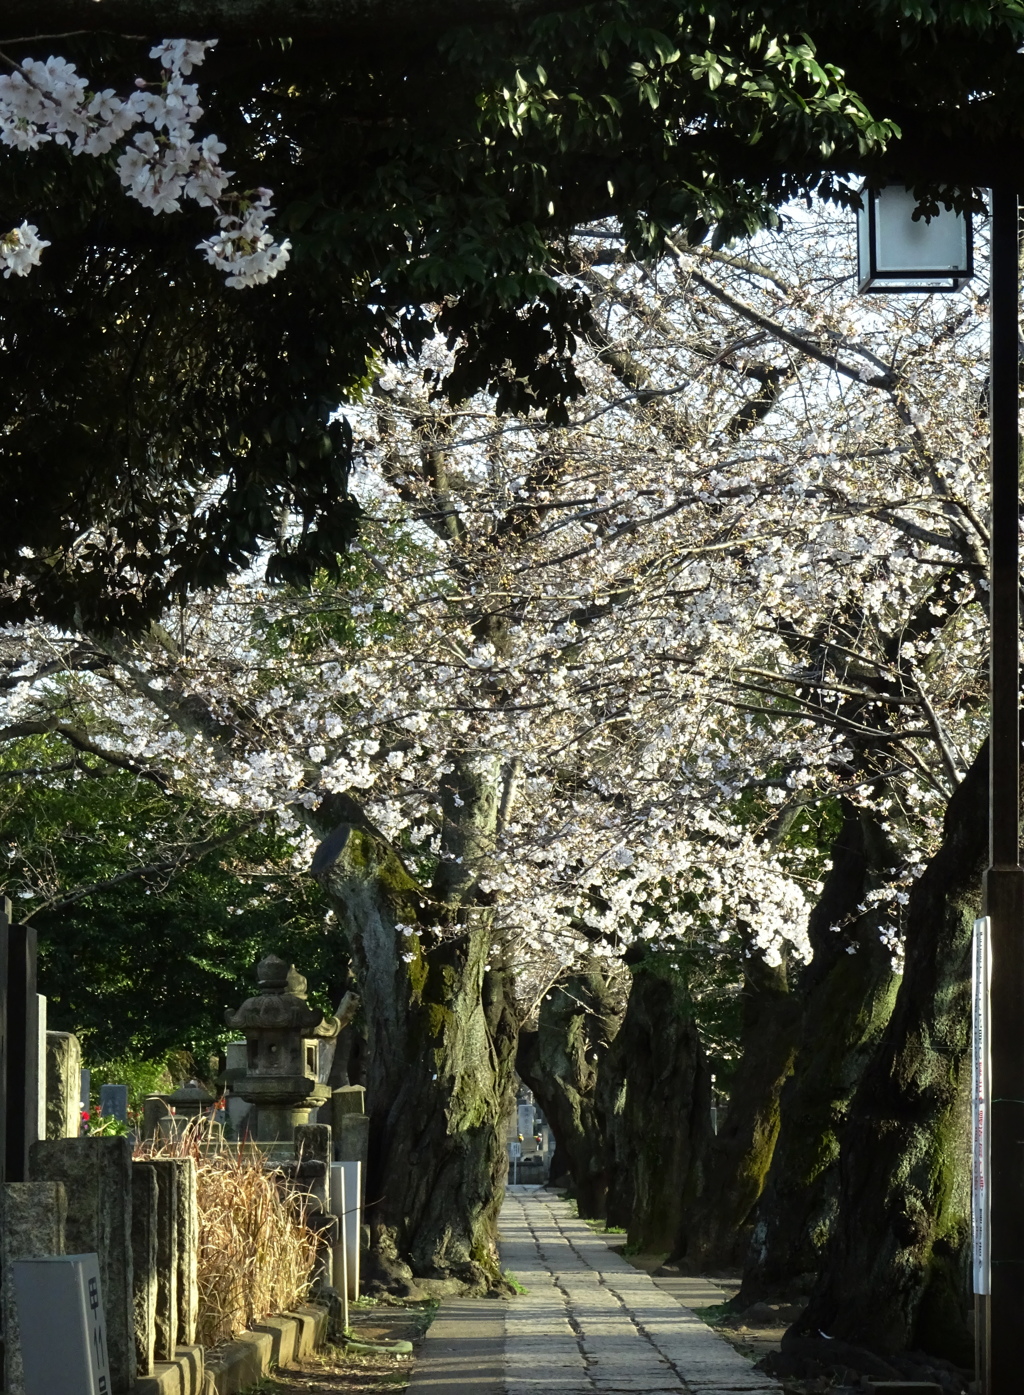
[[895, 1274], [440, 1035], [846, 999], [661, 1127], [716, 1229], [577, 1022], [610, 1108]]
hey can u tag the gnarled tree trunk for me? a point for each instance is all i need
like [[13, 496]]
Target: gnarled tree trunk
[[660, 1124], [577, 1022], [846, 999], [896, 1267], [716, 1230], [440, 1038]]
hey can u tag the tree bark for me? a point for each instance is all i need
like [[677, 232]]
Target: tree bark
[[716, 1230], [560, 1062], [895, 1275], [440, 1041], [846, 999], [661, 1127]]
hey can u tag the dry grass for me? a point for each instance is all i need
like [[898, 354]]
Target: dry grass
[[256, 1252]]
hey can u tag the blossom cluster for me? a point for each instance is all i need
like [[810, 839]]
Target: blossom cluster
[[676, 629], [51, 101]]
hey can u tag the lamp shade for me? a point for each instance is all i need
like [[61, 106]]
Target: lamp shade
[[896, 254]]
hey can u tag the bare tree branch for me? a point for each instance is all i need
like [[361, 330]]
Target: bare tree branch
[[173, 863], [82, 741]]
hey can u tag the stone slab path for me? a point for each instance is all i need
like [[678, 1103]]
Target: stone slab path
[[591, 1324]]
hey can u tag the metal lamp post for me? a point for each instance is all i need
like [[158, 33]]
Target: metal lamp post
[[896, 254]]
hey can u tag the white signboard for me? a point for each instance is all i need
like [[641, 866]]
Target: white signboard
[[515, 1149], [346, 1201], [61, 1325], [980, 982], [339, 1276]]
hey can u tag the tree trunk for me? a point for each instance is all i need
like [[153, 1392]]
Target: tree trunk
[[896, 1268], [560, 1062], [610, 1107], [662, 1126], [716, 1230], [846, 999], [440, 1041]]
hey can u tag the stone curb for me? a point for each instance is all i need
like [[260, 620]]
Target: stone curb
[[277, 1341], [287, 1337]]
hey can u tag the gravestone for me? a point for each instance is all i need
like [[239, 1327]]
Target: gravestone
[[114, 1102], [32, 1226], [350, 1124], [155, 1110], [240, 1113], [63, 1085], [97, 1175]]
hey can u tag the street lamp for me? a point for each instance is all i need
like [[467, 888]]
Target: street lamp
[[896, 254]]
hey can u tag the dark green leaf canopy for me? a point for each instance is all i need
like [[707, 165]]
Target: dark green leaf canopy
[[159, 429]]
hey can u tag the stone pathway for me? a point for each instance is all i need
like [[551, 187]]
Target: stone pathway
[[591, 1324]]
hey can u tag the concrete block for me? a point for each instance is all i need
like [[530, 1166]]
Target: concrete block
[[145, 1225], [313, 1333], [97, 1175], [63, 1085], [32, 1226], [284, 1337], [239, 1364], [166, 1378], [191, 1360], [185, 1375]]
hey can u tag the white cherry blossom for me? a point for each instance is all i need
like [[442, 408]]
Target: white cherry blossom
[[51, 101]]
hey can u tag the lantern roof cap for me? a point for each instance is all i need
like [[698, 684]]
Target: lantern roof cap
[[281, 1003]]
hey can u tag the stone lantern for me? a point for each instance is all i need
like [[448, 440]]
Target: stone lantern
[[283, 1035]]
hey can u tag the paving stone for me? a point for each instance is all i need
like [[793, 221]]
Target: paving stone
[[629, 1334]]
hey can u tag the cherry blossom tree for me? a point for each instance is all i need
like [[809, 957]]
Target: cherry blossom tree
[[582, 689], [52, 101]]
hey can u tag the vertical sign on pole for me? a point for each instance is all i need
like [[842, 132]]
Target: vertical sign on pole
[[998, 1313], [340, 1267], [353, 1221], [22, 1050], [39, 1130], [980, 981], [5, 924]]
